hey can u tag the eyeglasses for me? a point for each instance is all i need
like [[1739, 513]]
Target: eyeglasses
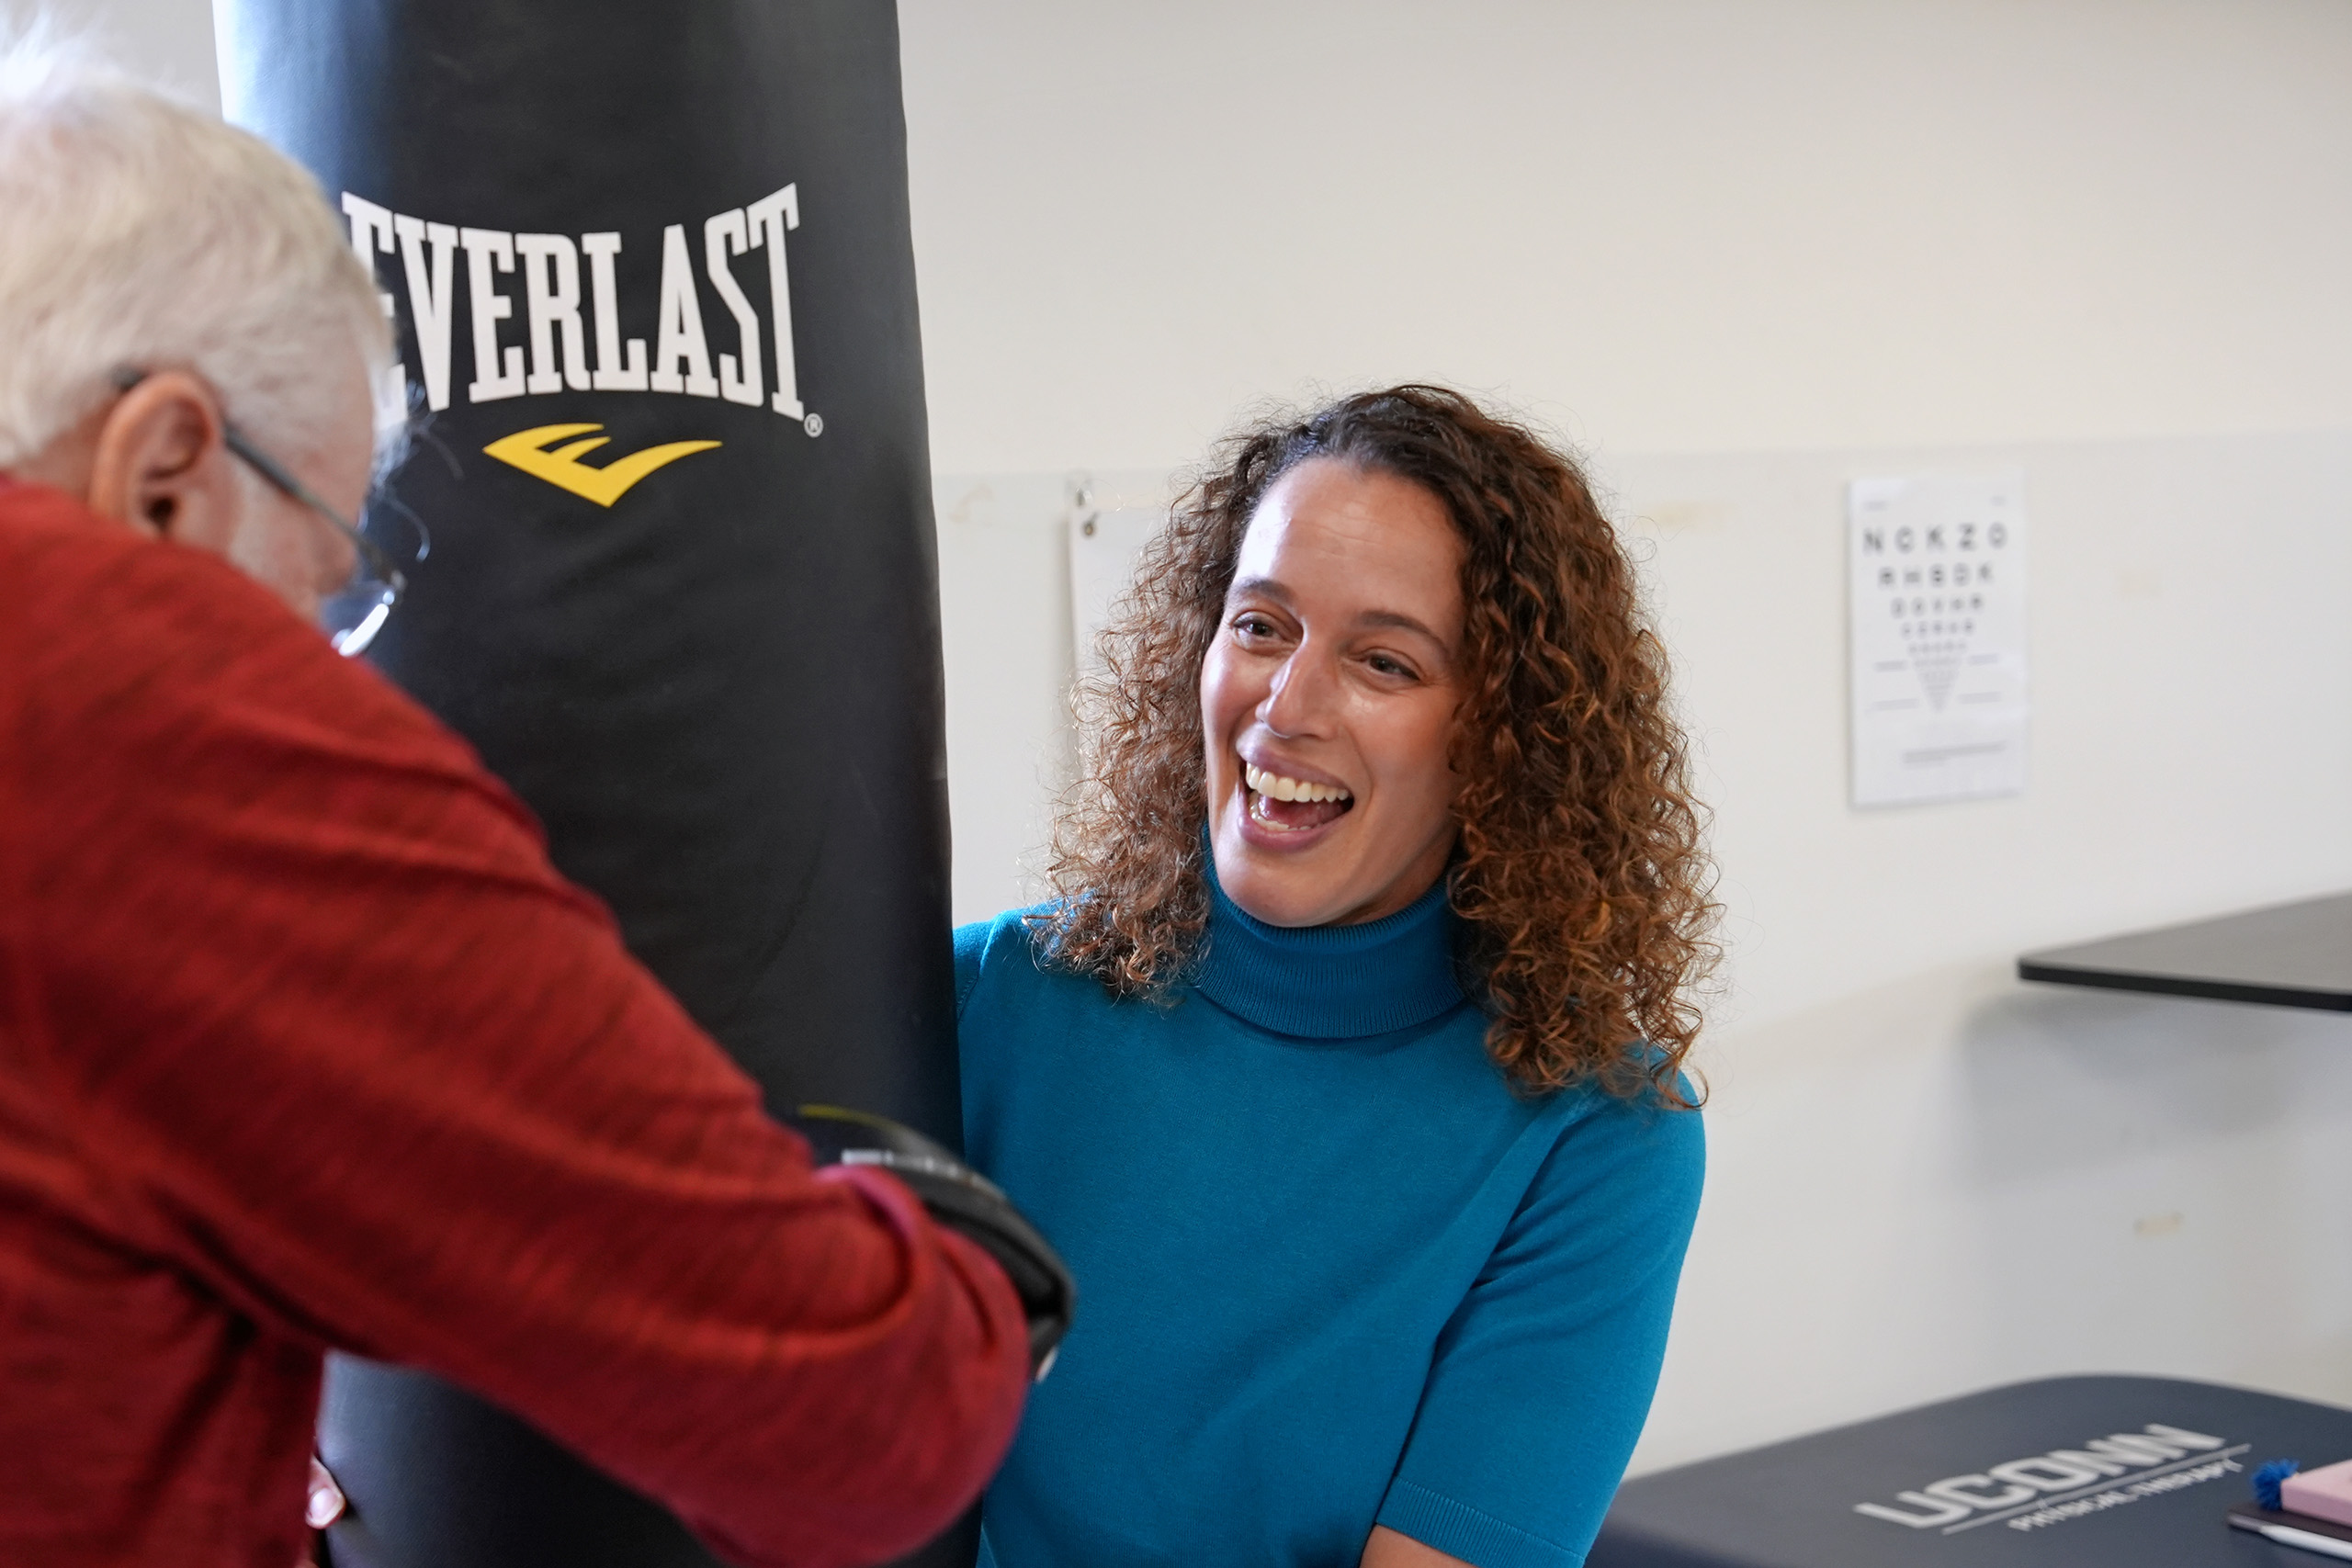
[[353, 614]]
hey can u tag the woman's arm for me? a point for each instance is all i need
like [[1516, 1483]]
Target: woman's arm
[[1387, 1549], [1541, 1382]]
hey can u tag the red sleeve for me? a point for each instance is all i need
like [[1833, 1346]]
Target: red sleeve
[[364, 1063]]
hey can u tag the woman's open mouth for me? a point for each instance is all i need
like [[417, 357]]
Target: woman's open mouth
[[1291, 806]]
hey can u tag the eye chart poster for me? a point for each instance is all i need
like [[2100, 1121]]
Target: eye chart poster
[[1939, 677]]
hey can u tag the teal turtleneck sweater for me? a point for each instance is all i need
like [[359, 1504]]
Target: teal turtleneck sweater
[[1331, 1271]]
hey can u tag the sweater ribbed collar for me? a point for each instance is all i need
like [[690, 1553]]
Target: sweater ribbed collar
[[1331, 982]]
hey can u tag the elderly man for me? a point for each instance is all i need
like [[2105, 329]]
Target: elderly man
[[302, 1041]]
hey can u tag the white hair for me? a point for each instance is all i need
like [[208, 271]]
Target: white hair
[[141, 233]]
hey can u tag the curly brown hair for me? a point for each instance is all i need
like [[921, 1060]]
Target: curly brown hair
[[1579, 873]]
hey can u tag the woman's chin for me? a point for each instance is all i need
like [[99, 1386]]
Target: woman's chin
[[1261, 867], [1274, 899]]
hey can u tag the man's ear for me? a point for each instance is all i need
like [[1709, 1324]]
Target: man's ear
[[161, 462]]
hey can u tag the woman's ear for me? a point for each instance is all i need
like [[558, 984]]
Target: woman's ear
[[161, 462]]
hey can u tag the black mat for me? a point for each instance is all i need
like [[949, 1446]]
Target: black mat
[[2087, 1471]]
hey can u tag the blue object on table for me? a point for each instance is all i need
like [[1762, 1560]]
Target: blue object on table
[[2266, 1480], [2085, 1471]]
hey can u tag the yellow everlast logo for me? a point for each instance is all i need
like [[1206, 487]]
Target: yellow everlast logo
[[527, 450]]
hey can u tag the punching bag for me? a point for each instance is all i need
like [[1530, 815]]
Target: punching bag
[[653, 287]]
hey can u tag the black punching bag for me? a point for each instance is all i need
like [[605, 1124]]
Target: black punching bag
[[655, 297]]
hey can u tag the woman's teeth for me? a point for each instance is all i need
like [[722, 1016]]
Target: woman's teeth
[[1277, 787]]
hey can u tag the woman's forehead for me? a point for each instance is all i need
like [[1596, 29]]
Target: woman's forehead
[[1358, 540]]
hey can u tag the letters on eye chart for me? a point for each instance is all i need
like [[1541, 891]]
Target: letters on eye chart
[[1937, 638]]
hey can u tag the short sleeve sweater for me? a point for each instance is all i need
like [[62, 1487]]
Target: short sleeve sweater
[[1332, 1271]]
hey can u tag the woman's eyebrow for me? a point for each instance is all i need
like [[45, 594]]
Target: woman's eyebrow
[[1400, 620], [1264, 587], [1271, 588]]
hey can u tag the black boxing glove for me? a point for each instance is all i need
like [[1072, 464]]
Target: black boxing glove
[[965, 1201]]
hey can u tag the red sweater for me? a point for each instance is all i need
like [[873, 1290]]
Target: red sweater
[[304, 1045]]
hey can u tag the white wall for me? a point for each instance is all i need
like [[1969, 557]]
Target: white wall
[[167, 42], [1683, 225], [1929, 1177], [1743, 250]]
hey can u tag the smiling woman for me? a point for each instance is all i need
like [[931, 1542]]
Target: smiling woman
[[1345, 1066], [1327, 706], [1568, 786]]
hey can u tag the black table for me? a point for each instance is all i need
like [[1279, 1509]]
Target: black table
[[2086, 1471], [2297, 955]]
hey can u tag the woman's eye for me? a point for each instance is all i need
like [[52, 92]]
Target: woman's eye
[[1254, 626], [1381, 664]]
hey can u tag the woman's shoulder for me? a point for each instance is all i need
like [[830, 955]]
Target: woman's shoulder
[[1605, 1137], [986, 949], [975, 939]]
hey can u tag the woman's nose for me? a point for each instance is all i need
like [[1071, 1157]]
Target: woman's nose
[[1299, 701]]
